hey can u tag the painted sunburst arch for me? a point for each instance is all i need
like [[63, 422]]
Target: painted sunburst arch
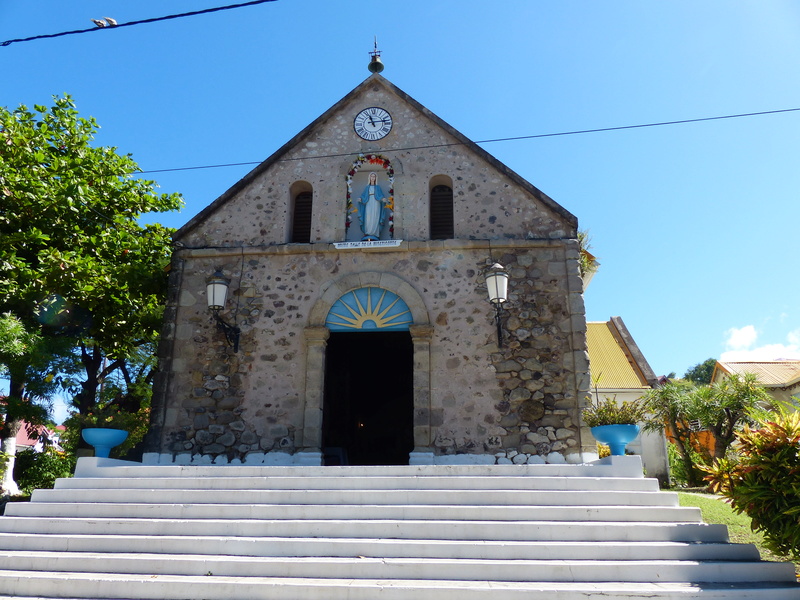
[[369, 308]]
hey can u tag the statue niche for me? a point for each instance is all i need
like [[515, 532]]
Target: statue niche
[[370, 199]]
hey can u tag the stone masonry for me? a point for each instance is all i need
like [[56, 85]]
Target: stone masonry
[[473, 401]]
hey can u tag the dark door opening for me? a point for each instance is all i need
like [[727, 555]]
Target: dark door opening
[[367, 415]]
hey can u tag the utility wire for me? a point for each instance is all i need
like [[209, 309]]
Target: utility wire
[[131, 23], [490, 141]]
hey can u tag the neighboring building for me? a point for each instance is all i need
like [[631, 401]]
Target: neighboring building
[[781, 378], [355, 258], [619, 370], [38, 438]]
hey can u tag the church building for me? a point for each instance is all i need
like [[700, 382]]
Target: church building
[[332, 306]]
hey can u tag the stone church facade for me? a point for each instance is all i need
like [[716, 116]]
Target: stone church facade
[[355, 257]]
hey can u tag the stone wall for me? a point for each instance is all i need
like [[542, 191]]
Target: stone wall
[[514, 403]]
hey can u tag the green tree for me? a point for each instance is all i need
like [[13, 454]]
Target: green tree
[[34, 376], [75, 263], [724, 407], [670, 407], [701, 373], [123, 401]]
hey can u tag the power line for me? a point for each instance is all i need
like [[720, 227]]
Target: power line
[[131, 23], [490, 141]]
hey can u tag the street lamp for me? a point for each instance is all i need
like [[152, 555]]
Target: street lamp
[[497, 286], [216, 292]]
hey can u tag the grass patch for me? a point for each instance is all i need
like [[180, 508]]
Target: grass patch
[[716, 510]]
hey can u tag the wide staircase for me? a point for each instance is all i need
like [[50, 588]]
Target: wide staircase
[[512, 532]]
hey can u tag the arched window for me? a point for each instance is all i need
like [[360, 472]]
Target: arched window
[[441, 204], [301, 218]]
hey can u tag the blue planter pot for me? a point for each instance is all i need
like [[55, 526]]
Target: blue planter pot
[[103, 440], [616, 437]]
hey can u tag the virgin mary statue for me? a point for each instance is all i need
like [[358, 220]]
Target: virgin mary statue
[[372, 209]]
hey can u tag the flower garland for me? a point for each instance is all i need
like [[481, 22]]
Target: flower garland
[[372, 159]]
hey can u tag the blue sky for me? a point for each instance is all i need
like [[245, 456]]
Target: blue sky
[[694, 224]]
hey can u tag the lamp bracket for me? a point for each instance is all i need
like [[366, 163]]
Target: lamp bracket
[[232, 332]]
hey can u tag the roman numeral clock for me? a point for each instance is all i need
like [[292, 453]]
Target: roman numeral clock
[[373, 123]]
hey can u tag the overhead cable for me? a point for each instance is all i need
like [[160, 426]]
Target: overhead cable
[[490, 141], [131, 23]]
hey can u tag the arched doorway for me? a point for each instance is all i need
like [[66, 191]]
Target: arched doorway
[[368, 399]]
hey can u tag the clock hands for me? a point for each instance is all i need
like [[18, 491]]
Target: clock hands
[[373, 123]]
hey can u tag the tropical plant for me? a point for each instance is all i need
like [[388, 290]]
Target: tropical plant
[[763, 479], [724, 407], [678, 475], [610, 412], [669, 407], [588, 262]]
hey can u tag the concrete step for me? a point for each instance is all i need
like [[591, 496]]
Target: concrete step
[[376, 547], [617, 467], [408, 497], [354, 533], [187, 510], [400, 529], [345, 482], [19, 584], [362, 567]]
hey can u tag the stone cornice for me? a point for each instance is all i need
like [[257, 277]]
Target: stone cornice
[[405, 246]]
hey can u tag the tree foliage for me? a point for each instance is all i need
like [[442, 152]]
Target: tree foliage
[[724, 407], [123, 402], [37, 470], [75, 264], [702, 372], [74, 258], [702, 421], [14, 339]]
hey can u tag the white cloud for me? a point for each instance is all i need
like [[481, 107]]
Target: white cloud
[[739, 346], [742, 338], [762, 353]]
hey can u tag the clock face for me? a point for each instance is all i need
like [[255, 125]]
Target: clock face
[[373, 123]]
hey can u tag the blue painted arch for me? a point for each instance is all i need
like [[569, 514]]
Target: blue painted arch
[[369, 308]]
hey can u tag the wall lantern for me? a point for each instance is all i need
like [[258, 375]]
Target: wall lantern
[[216, 292], [497, 286]]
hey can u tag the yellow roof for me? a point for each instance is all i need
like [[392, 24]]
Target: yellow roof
[[775, 373], [610, 360]]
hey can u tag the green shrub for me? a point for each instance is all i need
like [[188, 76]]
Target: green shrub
[[677, 467], [110, 415], [763, 481], [35, 470], [610, 412]]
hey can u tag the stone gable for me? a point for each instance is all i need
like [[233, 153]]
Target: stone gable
[[472, 400]]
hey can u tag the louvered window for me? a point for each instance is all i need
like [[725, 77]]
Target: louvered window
[[442, 212], [301, 218]]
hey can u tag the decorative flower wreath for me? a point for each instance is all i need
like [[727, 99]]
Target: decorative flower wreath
[[371, 159]]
